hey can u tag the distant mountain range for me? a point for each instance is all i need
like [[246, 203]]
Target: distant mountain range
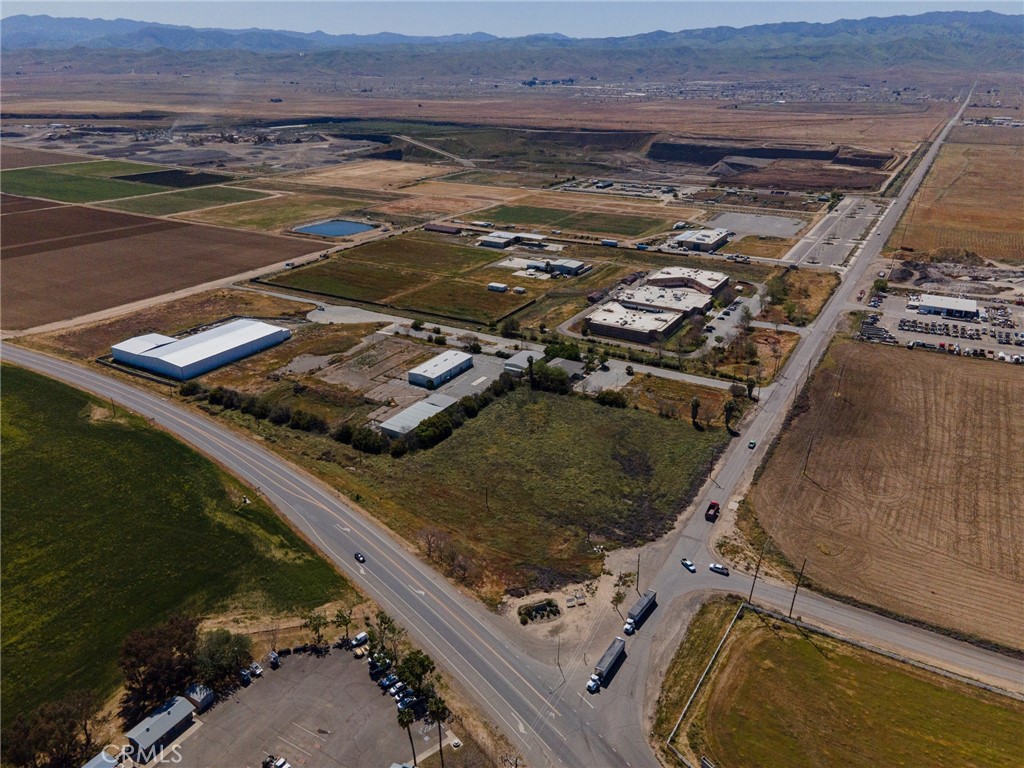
[[938, 41]]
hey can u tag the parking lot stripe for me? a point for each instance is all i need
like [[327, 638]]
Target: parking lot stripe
[[295, 746], [316, 735]]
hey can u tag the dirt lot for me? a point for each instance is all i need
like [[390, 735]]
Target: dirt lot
[[112, 259], [809, 174], [23, 157], [972, 198], [901, 484], [373, 174]]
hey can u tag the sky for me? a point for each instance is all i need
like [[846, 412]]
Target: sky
[[598, 18]]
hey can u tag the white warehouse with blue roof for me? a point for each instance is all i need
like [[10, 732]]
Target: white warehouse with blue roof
[[195, 355]]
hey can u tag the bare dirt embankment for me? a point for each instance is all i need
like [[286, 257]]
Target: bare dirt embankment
[[901, 485]]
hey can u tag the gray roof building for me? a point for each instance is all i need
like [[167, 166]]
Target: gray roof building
[[159, 728], [573, 368], [103, 760], [405, 421], [200, 696], [518, 364]]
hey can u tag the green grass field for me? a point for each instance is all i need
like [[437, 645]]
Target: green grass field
[[109, 525], [350, 280], [68, 187], [785, 698], [187, 200], [279, 213], [534, 481], [582, 221], [422, 251], [106, 169]]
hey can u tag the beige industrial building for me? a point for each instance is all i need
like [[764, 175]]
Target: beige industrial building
[[702, 239], [656, 297], [703, 280], [614, 320]]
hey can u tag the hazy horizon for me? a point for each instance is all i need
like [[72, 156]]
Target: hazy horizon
[[594, 18]]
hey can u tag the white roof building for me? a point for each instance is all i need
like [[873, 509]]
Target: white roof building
[[195, 355], [948, 305], [613, 319], [660, 297], [702, 239], [440, 369], [703, 280]]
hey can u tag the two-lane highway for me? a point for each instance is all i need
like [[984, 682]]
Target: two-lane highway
[[513, 689]]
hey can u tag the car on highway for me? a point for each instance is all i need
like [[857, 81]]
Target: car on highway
[[718, 568], [360, 558], [688, 565], [752, 444]]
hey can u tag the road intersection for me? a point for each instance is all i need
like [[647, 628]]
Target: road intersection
[[539, 706]]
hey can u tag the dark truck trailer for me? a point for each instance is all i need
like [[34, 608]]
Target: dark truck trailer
[[605, 667], [640, 609]]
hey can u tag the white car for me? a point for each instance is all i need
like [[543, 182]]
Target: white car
[[718, 568], [688, 565], [256, 669]]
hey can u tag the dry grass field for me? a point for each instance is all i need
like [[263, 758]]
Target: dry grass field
[[971, 199], [880, 128], [372, 174], [66, 261], [986, 134], [765, 246], [901, 485]]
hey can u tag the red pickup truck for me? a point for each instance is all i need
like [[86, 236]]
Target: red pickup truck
[[711, 513]]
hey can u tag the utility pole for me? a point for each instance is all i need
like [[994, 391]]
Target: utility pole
[[798, 580], [637, 585], [756, 571]]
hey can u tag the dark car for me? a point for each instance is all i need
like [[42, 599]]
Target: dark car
[[388, 681], [360, 558]]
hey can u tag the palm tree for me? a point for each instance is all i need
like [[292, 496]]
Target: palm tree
[[405, 719], [438, 712]]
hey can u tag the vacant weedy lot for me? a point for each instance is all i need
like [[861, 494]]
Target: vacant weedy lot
[[599, 223], [765, 246], [779, 696], [110, 525], [971, 199], [350, 280], [901, 485]]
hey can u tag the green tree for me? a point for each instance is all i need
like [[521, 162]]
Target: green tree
[[219, 655], [694, 410], [343, 619], [414, 668], [617, 600], [751, 383], [510, 328], [405, 720], [728, 410], [316, 623], [439, 712], [417, 325], [157, 663]]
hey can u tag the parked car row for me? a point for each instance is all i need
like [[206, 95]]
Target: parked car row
[[404, 696], [936, 328]]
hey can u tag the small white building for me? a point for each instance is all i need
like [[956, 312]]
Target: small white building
[[198, 354], [947, 306], [499, 287], [405, 421], [159, 729], [702, 239], [440, 369]]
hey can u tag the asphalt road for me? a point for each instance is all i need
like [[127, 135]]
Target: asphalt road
[[545, 715]]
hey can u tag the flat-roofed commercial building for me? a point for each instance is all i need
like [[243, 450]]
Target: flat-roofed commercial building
[[440, 369], [405, 421], [948, 306], [702, 239], [195, 355], [614, 320], [654, 297], [703, 280]]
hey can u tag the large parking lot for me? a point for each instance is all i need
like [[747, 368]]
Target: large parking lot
[[999, 331], [312, 711]]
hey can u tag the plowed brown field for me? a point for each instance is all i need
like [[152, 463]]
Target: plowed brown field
[[25, 157], [61, 262], [902, 486]]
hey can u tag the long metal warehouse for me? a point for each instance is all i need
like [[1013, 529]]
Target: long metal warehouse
[[198, 354]]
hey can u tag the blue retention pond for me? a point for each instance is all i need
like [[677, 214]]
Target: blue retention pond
[[335, 228]]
